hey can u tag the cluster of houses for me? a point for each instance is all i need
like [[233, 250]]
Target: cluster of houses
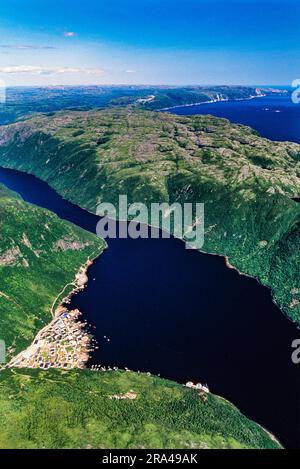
[[198, 386], [61, 344], [103, 368]]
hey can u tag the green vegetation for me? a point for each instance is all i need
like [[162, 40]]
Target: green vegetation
[[246, 182], [39, 255], [25, 101], [80, 409], [170, 97]]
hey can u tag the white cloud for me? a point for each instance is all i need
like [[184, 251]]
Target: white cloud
[[24, 46], [21, 69], [129, 71], [49, 71], [69, 34]]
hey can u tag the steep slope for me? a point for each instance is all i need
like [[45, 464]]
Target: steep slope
[[85, 409], [246, 182], [39, 255]]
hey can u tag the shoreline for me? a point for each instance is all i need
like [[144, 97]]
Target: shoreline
[[64, 343], [244, 274], [80, 282], [212, 101]]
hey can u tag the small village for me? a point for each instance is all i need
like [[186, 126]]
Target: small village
[[61, 344]]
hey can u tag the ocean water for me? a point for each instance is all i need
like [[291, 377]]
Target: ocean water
[[275, 117]]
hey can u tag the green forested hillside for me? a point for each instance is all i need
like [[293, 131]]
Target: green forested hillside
[[92, 157], [39, 255], [85, 409], [35, 266], [246, 182]]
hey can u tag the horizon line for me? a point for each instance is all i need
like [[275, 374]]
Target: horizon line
[[146, 85]]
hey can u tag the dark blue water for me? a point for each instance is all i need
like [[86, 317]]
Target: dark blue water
[[260, 113], [185, 316]]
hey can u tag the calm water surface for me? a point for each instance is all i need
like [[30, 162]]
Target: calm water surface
[[277, 117]]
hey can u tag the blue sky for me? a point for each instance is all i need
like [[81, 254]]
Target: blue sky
[[149, 41]]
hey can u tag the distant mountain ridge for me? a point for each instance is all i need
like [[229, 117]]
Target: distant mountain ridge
[[21, 101]]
